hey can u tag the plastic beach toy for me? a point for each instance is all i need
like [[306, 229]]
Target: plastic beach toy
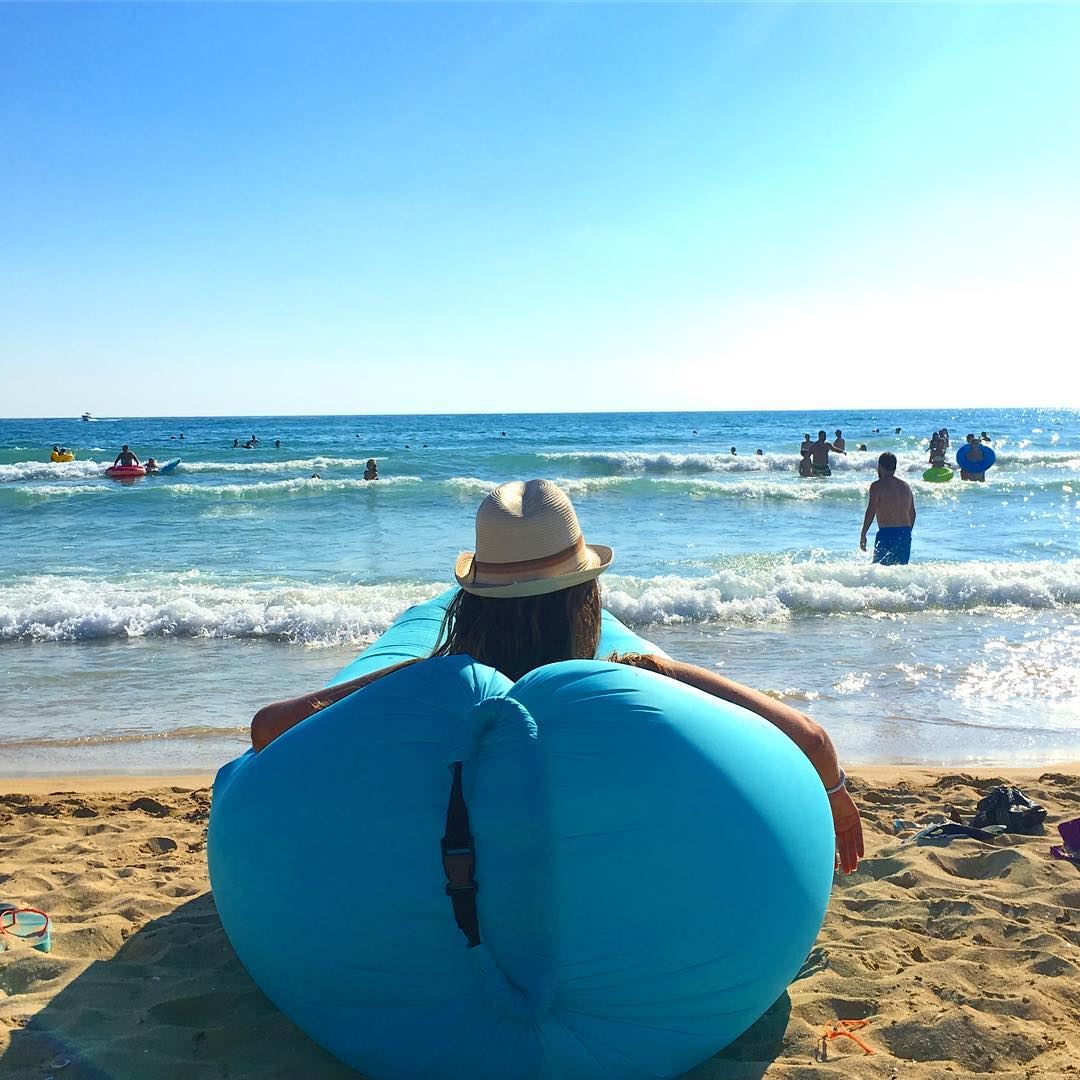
[[593, 872], [1070, 847], [125, 472], [26, 924], [939, 474]]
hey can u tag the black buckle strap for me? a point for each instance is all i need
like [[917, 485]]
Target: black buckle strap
[[459, 862]]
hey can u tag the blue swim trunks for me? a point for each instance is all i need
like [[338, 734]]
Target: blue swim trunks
[[892, 545]]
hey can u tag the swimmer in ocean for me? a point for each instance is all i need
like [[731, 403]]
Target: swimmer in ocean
[[819, 455], [937, 451], [125, 459], [892, 503], [806, 467], [838, 441], [974, 456], [733, 452], [371, 472], [807, 442]]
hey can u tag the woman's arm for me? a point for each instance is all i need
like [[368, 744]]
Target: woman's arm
[[810, 737], [276, 718]]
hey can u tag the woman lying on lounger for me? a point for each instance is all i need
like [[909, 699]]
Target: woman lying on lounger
[[529, 597]]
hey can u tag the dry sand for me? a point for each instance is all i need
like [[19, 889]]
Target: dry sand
[[965, 958]]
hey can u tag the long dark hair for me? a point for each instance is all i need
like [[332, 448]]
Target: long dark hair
[[516, 634]]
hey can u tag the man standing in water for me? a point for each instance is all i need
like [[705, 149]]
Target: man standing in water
[[819, 455], [974, 457], [892, 503]]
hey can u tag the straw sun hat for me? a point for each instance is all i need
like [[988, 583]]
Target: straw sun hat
[[528, 542]]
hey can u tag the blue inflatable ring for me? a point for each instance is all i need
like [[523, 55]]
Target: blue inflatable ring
[[988, 459], [653, 866]]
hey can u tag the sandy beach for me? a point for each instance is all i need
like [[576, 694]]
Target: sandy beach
[[964, 958]]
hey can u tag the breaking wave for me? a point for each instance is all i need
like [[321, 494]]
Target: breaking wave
[[750, 590]]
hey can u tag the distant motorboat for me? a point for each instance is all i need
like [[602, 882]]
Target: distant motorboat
[[87, 416]]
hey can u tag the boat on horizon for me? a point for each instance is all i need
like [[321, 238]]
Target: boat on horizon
[[87, 416]]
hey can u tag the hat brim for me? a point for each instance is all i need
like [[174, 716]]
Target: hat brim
[[600, 558]]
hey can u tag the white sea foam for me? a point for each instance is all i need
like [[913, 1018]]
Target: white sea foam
[[53, 608], [275, 466], [766, 487], [631, 461], [763, 591], [83, 468], [300, 485], [909, 461], [51, 470], [751, 591]]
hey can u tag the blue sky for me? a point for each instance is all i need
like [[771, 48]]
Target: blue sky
[[403, 207]]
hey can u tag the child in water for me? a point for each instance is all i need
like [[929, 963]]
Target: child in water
[[372, 470]]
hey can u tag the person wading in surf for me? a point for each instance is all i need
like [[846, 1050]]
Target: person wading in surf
[[892, 503]]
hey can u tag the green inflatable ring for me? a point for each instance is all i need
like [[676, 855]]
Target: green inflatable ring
[[938, 474]]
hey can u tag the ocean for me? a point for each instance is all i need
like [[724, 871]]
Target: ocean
[[142, 624]]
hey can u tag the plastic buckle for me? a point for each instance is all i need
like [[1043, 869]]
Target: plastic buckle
[[459, 865]]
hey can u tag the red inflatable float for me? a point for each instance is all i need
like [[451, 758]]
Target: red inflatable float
[[125, 472]]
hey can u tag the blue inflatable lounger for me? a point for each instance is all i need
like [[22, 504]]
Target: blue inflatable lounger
[[637, 870]]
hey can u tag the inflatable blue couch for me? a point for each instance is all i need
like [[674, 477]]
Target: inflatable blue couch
[[592, 872]]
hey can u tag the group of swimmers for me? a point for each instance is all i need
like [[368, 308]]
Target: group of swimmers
[[814, 456], [939, 444]]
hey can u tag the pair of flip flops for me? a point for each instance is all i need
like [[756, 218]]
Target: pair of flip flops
[[944, 831], [1069, 849]]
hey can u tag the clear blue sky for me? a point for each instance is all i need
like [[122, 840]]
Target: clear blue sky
[[405, 207]]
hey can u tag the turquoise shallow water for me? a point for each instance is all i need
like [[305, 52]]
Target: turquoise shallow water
[[141, 624]]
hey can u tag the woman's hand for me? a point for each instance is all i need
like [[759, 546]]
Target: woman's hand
[[848, 827]]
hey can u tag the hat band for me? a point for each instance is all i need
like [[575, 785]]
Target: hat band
[[531, 566]]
